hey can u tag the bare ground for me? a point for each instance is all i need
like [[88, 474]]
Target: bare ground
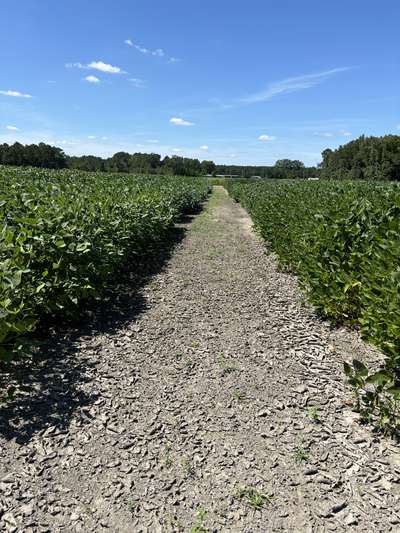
[[216, 402]]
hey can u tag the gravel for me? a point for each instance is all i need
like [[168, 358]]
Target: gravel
[[195, 391]]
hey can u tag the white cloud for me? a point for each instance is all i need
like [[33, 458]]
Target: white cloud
[[290, 85], [92, 79], [204, 147], [12, 128], [91, 136], [104, 138], [16, 94], [128, 42], [105, 67], [266, 138], [173, 60], [180, 122], [137, 82], [177, 150], [97, 65], [345, 133], [153, 141]]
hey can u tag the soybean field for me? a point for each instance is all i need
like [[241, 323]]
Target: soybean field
[[64, 234]]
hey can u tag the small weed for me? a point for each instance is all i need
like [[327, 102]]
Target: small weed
[[188, 468], [221, 360], [301, 455], [313, 413], [131, 505], [198, 526], [239, 395], [253, 497], [195, 344], [377, 395], [226, 369]]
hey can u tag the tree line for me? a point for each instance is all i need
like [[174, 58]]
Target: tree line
[[368, 158], [33, 155], [283, 169], [46, 156]]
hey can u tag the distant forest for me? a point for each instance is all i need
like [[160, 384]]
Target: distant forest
[[366, 158], [369, 158]]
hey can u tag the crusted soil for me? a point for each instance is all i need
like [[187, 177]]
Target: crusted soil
[[214, 401]]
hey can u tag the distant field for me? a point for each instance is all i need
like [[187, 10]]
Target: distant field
[[65, 233]]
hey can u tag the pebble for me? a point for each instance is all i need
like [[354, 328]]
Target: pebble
[[310, 471]]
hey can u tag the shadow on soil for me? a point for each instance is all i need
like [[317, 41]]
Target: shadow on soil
[[53, 382]]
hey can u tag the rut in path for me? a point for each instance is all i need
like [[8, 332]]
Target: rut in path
[[220, 407]]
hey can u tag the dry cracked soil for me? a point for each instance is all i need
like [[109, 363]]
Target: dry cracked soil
[[214, 402]]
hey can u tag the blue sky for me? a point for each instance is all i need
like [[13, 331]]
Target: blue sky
[[237, 82]]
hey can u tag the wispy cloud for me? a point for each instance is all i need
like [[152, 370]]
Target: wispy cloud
[[15, 94], [92, 79], [266, 138], [328, 134], [290, 85], [12, 128], [180, 122], [157, 52], [137, 82], [143, 50], [64, 142], [98, 65]]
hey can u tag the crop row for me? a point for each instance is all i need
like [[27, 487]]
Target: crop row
[[342, 239], [64, 234]]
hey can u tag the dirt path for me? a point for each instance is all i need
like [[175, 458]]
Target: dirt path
[[221, 407]]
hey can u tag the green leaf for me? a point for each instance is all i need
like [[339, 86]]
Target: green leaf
[[395, 392], [40, 287], [360, 368], [382, 377], [347, 369]]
